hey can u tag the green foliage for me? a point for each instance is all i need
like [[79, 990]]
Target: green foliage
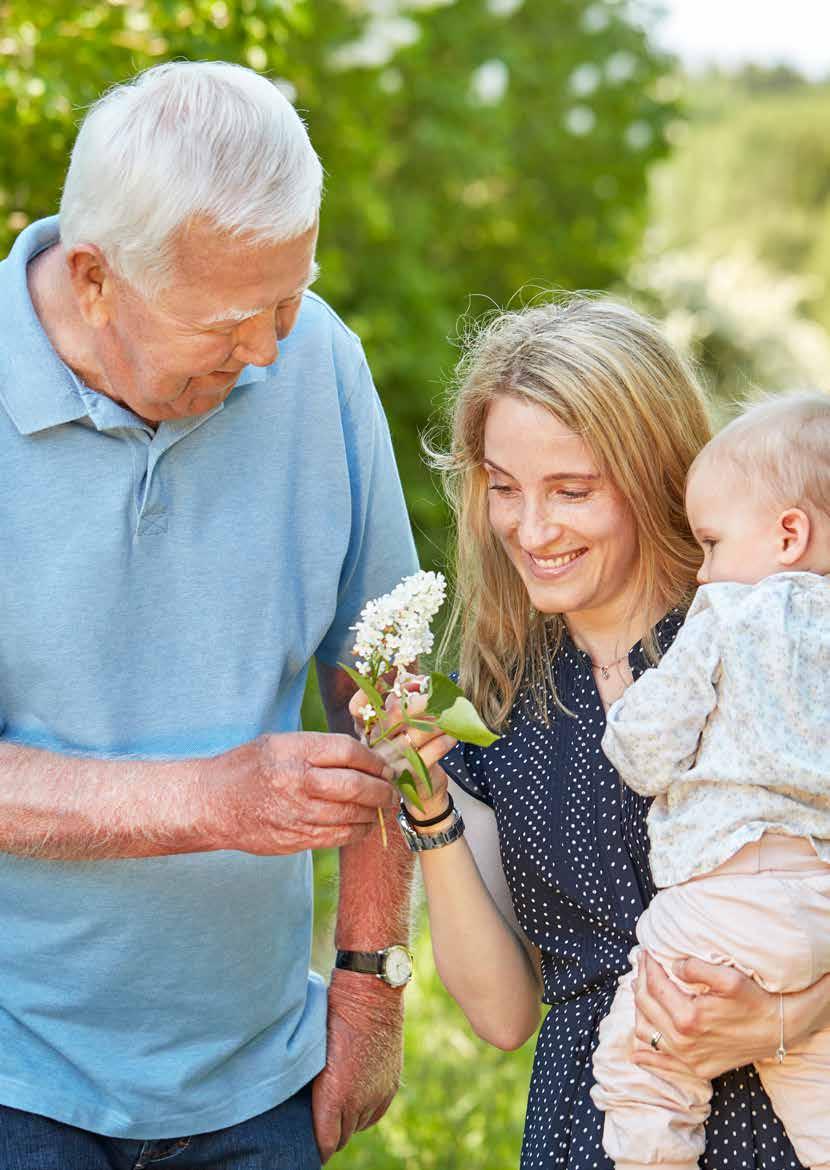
[[440, 187]]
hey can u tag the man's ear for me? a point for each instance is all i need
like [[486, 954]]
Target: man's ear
[[92, 283], [792, 535]]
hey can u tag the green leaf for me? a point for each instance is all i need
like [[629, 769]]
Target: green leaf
[[405, 784], [371, 692], [419, 767], [443, 692], [463, 722], [421, 724]]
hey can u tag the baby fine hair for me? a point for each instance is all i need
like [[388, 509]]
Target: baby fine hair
[[781, 443]]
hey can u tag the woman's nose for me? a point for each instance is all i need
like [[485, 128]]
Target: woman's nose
[[537, 528]]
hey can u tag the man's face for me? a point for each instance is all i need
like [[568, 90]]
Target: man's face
[[228, 306]]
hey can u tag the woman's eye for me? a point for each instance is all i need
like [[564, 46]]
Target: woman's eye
[[502, 489], [574, 495]]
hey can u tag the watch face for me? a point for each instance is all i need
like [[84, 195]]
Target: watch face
[[398, 966]]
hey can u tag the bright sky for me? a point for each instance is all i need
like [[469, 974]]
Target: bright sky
[[733, 31]]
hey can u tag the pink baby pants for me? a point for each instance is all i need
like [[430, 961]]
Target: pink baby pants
[[766, 911]]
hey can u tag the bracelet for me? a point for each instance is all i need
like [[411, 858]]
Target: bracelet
[[425, 842], [431, 820], [780, 1051]]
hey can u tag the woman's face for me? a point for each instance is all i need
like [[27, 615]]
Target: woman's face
[[564, 525]]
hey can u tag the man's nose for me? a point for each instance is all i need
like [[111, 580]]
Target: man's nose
[[257, 340]]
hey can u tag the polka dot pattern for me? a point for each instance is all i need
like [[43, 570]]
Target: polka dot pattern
[[574, 847]]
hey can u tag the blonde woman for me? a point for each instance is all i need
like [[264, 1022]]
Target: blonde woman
[[573, 427]]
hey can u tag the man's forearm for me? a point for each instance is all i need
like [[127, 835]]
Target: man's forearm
[[375, 892], [67, 808], [375, 882]]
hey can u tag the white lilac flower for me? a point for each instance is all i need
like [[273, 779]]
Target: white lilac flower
[[394, 629], [368, 713]]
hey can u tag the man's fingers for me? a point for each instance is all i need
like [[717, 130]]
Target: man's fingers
[[344, 786], [326, 1133], [340, 812], [327, 750], [347, 1129]]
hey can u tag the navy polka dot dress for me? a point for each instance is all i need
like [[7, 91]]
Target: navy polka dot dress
[[574, 847]]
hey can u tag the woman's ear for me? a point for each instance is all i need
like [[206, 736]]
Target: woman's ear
[[792, 535]]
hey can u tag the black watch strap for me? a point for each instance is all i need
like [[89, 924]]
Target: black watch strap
[[366, 962]]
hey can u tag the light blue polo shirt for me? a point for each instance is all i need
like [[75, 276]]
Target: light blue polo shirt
[[161, 595]]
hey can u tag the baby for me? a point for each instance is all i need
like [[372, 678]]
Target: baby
[[730, 734]]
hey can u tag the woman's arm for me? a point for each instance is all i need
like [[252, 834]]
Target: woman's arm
[[481, 960], [734, 1024], [488, 969]]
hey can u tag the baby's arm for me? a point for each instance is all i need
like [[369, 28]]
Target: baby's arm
[[654, 729]]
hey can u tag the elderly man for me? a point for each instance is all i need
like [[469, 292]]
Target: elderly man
[[198, 496]]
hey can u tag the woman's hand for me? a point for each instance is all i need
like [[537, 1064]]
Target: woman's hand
[[734, 1024], [432, 745]]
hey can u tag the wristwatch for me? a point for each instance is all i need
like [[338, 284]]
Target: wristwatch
[[393, 964], [419, 842]]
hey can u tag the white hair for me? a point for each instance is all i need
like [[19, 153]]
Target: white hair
[[181, 141]]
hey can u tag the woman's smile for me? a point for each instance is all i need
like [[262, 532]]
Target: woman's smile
[[552, 567]]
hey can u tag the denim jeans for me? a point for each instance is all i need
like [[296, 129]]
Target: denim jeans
[[281, 1139]]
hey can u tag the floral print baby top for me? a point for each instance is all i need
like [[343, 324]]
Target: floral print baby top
[[731, 732]]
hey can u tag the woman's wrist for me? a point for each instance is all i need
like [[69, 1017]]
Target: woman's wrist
[[437, 811], [806, 1012]]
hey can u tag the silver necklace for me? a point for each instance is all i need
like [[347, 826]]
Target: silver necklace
[[605, 667]]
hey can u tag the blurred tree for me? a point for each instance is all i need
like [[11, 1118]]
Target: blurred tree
[[752, 174], [736, 258], [472, 147]]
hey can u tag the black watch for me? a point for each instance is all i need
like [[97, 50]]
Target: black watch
[[393, 964]]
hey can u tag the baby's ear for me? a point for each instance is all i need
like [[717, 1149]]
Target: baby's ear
[[793, 536]]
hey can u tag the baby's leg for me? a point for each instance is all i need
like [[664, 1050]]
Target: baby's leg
[[799, 1089], [651, 1121]]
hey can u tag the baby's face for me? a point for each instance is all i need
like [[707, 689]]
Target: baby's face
[[735, 528]]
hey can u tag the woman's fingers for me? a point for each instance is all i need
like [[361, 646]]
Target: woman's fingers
[[662, 1007], [436, 749]]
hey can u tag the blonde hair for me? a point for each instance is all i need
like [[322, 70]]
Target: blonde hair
[[606, 373], [782, 444]]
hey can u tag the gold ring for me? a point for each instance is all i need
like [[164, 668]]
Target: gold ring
[[655, 1040]]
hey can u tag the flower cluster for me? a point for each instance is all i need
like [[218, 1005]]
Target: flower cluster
[[393, 630]]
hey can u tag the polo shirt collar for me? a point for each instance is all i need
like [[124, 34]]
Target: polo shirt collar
[[37, 388]]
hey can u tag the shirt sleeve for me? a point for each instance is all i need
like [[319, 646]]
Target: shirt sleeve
[[464, 765], [653, 731], [381, 550]]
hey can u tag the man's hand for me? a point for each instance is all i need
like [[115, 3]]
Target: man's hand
[[286, 793], [363, 1059]]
